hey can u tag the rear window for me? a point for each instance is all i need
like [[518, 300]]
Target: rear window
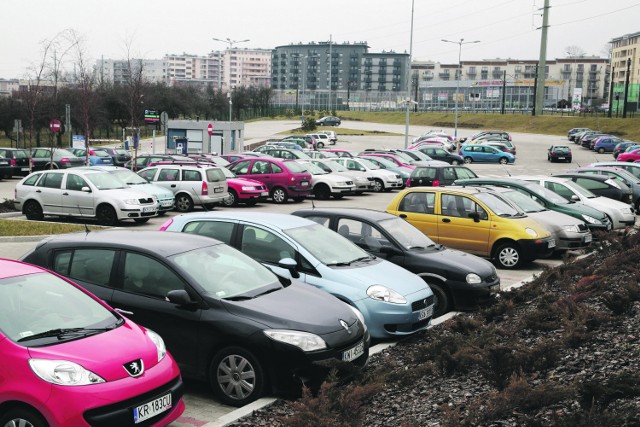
[[294, 167], [215, 175]]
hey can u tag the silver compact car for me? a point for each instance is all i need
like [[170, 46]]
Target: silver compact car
[[82, 193]]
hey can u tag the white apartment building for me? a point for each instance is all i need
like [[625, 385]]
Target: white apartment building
[[246, 67], [625, 55], [118, 71]]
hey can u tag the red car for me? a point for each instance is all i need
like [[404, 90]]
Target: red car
[[391, 157], [244, 190], [284, 178], [629, 156], [68, 359]]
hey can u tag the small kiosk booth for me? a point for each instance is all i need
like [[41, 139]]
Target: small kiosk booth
[[204, 137]]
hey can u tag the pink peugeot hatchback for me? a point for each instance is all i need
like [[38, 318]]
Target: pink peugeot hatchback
[[69, 360]]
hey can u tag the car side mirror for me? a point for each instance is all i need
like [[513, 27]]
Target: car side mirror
[[462, 139], [86, 189], [179, 297], [291, 265], [475, 216], [575, 198]]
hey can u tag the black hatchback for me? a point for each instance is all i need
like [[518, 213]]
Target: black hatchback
[[458, 280], [225, 318], [17, 162], [438, 175]]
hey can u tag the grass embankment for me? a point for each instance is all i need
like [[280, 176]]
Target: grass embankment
[[341, 131], [16, 227]]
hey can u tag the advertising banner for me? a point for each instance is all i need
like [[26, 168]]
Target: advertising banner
[[576, 99]]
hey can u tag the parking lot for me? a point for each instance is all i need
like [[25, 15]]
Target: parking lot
[[531, 160]]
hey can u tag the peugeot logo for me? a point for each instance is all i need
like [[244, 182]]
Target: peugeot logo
[[134, 368], [345, 325]]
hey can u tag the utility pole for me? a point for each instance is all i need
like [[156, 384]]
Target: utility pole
[[504, 90], [406, 117], [330, 72], [542, 63], [613, 73], [626, 89]]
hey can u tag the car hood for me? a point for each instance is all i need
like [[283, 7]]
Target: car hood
[[127, 193], [244, 182], [553, 221], [297, 307], [452, 260], [605, 203], [154, 190], [105, 354]]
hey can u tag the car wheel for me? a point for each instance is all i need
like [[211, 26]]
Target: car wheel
[[338, 196], [549, 159], [601, 150], [455, 162], [468, 160], [33, 211], [503, 160], [236, 376], [441, 300], [22, 417], [279, 195], [508, 256], [232, 199], [378, 185], [106, 215], [184, 203], [322, 192], [141, 220], [51, 166], [320, 144]]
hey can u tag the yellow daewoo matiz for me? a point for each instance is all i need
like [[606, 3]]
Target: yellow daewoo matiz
[[475, 220]]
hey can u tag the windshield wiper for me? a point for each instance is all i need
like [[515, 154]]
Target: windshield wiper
[[339, 264], [364, 258], [238, 298], [268, 291], [62, 333]]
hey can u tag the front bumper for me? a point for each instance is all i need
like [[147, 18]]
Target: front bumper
[[468, 297], [536, 248]]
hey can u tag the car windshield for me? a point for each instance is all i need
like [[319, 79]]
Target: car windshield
[[60, 153], [101, 153], [539, 190], [406, 234], [121, 151], [40, 309], [227, 173], [335, 166], [499, 205], [294, 167], [626, 174], [224, 272], [314, 169], [127, 177], [407, 159], [419, 155], [561, 149], [326, 245], [105, 181], [388, 164], [524, 202], [368, 164], [218, 160]]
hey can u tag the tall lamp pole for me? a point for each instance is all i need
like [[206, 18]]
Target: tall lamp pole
[[231, 43], [406, 117], [458, 76]]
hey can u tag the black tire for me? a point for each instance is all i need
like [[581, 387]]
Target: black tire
[[33, 211], [236, 376], [279, 195], [51, 166], [468, 160], [601, 150], [378, 185], [106, 215], [338, 196], [184, 203], [23, 417], [508, 256], [141, 220], [503, 160], [322, 192], [232, 200], [455, 162], [441, 300]]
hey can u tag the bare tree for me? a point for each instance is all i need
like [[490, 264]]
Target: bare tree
[[575, 51], [134, 86]]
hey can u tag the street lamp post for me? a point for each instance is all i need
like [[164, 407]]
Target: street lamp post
[[459, 75], [231, 43]]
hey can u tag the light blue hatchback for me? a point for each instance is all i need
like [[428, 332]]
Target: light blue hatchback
[[392, 300], [485, 154]]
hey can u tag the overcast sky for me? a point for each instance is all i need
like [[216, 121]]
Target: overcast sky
[[153, 28]]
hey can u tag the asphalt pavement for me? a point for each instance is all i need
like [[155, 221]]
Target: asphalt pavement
[[202, 410]]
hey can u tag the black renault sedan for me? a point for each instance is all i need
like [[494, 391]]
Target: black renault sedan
[[458, 280], [224, 317]]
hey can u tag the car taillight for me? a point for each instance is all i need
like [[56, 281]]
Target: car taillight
[[64, 160], [166, 224], [435, 183], [409, 182], [205, 188]]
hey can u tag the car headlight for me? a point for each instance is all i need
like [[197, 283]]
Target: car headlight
[[382, 293], [625, 211], [63, 372], [358, 314], [303, 340], [159, 342], [132, 201], [571, 228], [473, 279], [531, 232], [248, 188], [590, 219]]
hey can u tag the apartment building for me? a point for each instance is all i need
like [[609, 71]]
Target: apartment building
[[625, 58], [119, 71]]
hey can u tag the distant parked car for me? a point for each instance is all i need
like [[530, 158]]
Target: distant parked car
[[284, 153], [17, 162], [61, 159], [119, 156], [441, 154], [438, 175], [326, 184], [144, 160], [496, 134], [606, 144], [383, 180], [485, 154], [82, 193], [244, 190], [329, 121], [333, 137], [572, 132], [601, 185], [95, 157], [382, 163], [629, 156], [621, 147], [621, 175], [557, 153], [68, 359], [362, 180]]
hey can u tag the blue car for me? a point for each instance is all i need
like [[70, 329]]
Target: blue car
[[606, 144], [393, 301], [485, 154]]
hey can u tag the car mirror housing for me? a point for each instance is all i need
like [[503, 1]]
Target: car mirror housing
[[179, 297], [475, 216], [86, 189], [291, 265]]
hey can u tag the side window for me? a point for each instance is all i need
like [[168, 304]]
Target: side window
[[75, 183], [216, 229], [147, 276], [260, 167], [148, 174], [422, 202], [559, 189], [168, 175], [275, 168], [429, 173], [41, 154], [88, 265], [591, 184], [32, 179], [51, 180], [241, 168], [464, 173], [449, 174], [265, 246], [453, 205], [191, 175]]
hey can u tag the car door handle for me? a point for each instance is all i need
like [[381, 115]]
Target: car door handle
[[121, 311], [38, 191], [65, 194], [446, 220], [173, 186]]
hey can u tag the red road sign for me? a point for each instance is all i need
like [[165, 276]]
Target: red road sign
[[54, 125], [210, 129]]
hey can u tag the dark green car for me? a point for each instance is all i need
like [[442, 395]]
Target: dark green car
[[595, 219]]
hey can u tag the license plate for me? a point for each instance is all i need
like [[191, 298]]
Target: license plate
[[304, 183], [353, 353], [218, 190], [560, 158], [494, 288], [151, 409], [264, 193], [24, 169], [552, 243], [427, 312], [588, 238], [4, 163], [167, 203], [149, 209]]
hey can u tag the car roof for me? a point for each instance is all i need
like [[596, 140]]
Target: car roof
[[13, 268], [542, 177], [150, 240], [277, 220], [105, 168], [369, 214], [595, 177], [449, 189]]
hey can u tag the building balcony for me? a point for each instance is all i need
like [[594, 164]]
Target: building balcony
[[496, 74]]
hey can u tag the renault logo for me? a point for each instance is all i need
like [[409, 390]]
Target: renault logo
[[345, 325], [134, 368]]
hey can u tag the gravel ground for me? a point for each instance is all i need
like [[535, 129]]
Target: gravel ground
[[561, 351]]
